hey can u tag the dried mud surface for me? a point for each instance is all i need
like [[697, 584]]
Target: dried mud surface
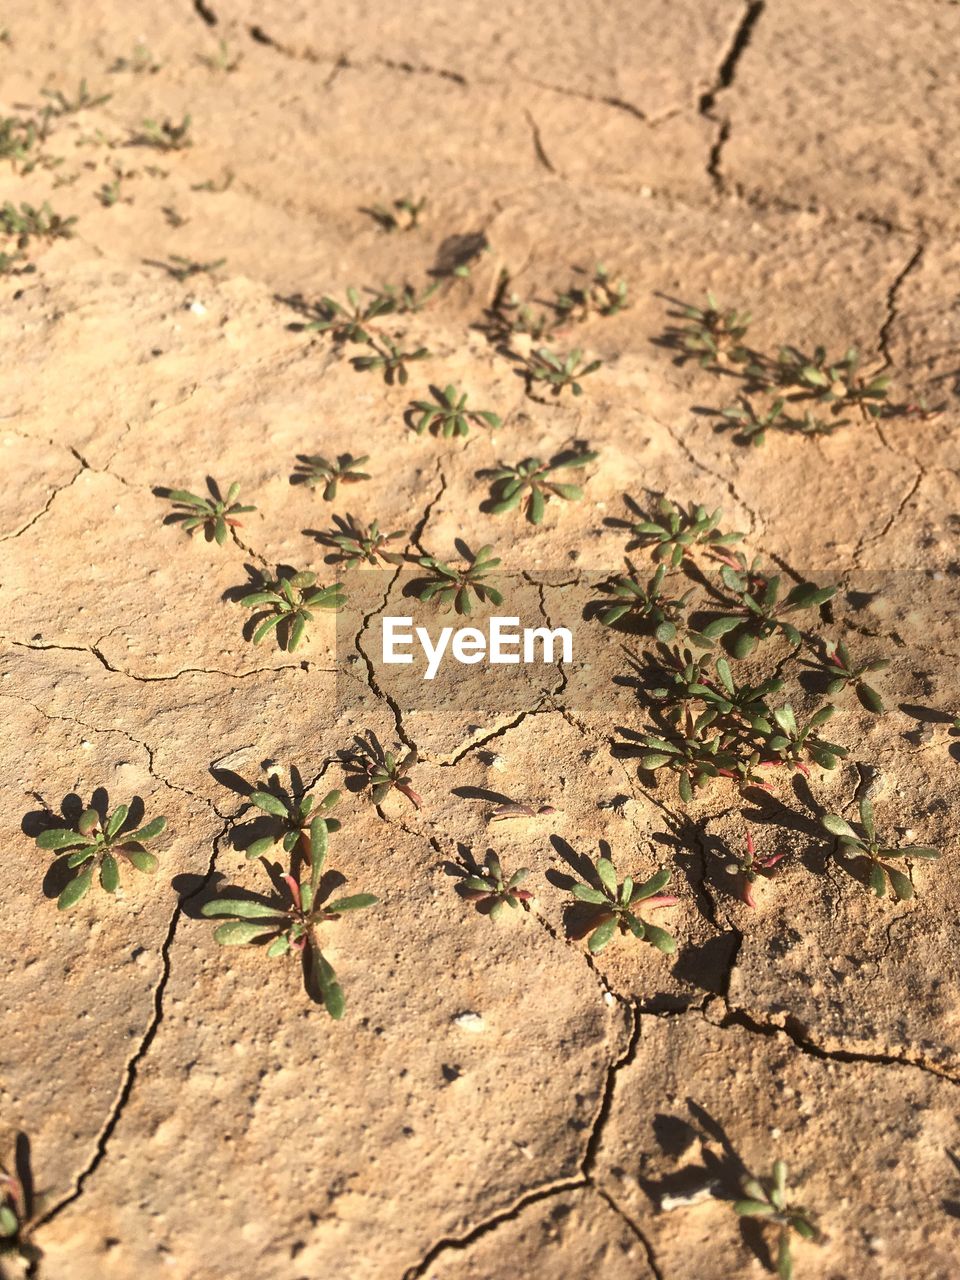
[[190, 1114]]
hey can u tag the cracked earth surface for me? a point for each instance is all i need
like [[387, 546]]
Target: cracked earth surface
[[189, 1113]]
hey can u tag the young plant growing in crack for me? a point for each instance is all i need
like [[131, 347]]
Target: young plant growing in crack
[[760, 610], [600, 297], [164, 135], [447, 414], [768, 1201], [649, 603], [64, 106], [381, 771], [462, 587], [362, 544], [714, 335], [678, 531], [529, 485], [559, 372], [391, 360], [215, 515], [345, 323], [749, 865], [618, 907], [99, 844], [404, 300], [294, 814], [847, 673], [293, 927], [493, 891], [290, 601], [694, 756], [877, 856], [314, 470]]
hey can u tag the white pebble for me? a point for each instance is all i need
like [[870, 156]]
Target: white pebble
[[470, 1022]]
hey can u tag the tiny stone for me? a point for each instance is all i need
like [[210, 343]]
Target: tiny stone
[[198, 308], [470, 1022], [609, 998]]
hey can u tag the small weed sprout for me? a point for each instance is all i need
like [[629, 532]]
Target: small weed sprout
[[447, 415], [391, 360], [464, 586], [400, 215], [294, 815], [749, 865], [529, 485], [402, 300], [293, 927], [164, 135], [223, 60], [314, 470], [99, 844], [715, 336], [836, 384], [17, 138], [507, 317], [381, 771], [558, 371], [600, 297], [345, 323], [649, 602], [181, 269], [29, 223], [761, 612], [768, 1201], [753, 424], [215, 515], [877, 856], [290, 600], [359, 544], [492, 892], [63, 106], [17, 1209], [678, 531], [789, 740], [850, 673], [141, 61], [618, 905]]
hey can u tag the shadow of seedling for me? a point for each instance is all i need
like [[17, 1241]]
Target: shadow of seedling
[[368, 765], [18, 1209], [459, 254]]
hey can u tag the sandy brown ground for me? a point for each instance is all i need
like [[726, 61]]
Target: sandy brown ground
[[189, 1113]]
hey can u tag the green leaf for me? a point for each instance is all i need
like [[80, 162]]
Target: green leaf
[[901, 884], [259, 847], [784, 1258], [587, 893], [837, 826], [870, 699], [244, 908], [142, 860], [537, 506], [238, 933], [75, 890], [279, 946], [753, 1208], [914, 851], [662, 940], [318, 850], [117, 819], [601, 936], [354, 903], [649, 887], [608, 875], [61, 838], [877, 882], [269, 803], [150, 831], [109, 873], [866, 818]]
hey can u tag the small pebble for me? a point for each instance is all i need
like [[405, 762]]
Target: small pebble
[[470, 1022]]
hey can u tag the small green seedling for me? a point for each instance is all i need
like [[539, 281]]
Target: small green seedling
[[558, 371], [715, 336], [529, 485], [492, 892], [313, 470], [877, 856], [399, 215], [345, 323], [678, 531], [29, 223], [290, 600], [647, 602], [63, 106], [402, 300], [789, 741], [99, 844], [215, 515], [18, 137], [109, 193], [363, 544], [745, 704], [618, 905], [694, 756], [14, 1214], [447, 415], [181, 269], [837, 384], [600, 297], [752, 424], [768, 1202], [391, 360], [382, 771], [295, 817], [761, 611], [293, 927], [852, 673], [749, 865], [164, 135], [464, 586], [141, 61], [223, 60]]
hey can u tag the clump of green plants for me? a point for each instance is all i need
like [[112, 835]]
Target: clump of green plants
[[761, 613], [648, 602], [296, 818], [560, 372], [402, 300], [848, 673], [529, 485], [768, 1201], [789, 741], [290, 601], [84, 100], [363, 544], [293, 927], [345, 323], [877, 857], [678, 530], [18, 138], [694, 755], [402, 214], [164, 135], [447, 414], [835, 384], [617, 907], [464, 586], [100, 844], [382, 771], [601, 296], [715, 335], [215, 515], [493, 891], [314, 470], [391, 361], [29, 223], [749, 865]]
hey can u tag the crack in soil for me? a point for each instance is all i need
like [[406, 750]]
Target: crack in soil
[[725, 76]]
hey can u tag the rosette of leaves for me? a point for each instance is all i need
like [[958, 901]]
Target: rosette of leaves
[[391, 360], [290, 600], [492, 891], [447, 414], [297, 819], [600, 297], [749, 865], [850, 673], [790, 741], [314, 470], [461, 587], [876, 855], [695, 757], [761, 609], [617, 907], [835, 383], [382, 771], [768, 1202], [292, 927], [99, 845], [363, 544], [404, 299], [752, 424], [529, 485], [216, 515], [746, 703], [558, 371], [345, 323], [649, 603], [682, 671], [677, 531], [714, 335]]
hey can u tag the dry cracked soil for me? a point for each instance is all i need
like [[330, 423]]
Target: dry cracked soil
[[497, 1100]]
